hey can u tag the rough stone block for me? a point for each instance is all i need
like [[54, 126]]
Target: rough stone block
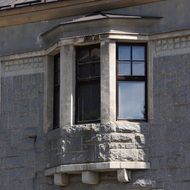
[[91, 178], [61, 179]]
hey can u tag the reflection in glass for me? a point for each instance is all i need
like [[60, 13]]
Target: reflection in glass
[[138, 52], [84, 55], [124, 53], [89, 102], [95, 53], [96, 70], [138, 68], [131, 100], [84, 71], [124, 68]]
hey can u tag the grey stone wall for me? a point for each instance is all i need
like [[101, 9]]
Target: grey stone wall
[[98, 143], [170, 132], [22, 141]]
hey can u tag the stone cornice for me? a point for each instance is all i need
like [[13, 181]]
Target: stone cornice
[[60, 9]]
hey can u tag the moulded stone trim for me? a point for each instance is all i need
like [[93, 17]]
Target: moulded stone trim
[[22, 66], [97, 167]]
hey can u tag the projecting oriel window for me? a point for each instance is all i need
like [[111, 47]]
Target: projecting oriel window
[[88, 84], [56, 94], [131, 82]]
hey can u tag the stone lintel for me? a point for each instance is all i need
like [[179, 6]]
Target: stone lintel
[[97, 167]]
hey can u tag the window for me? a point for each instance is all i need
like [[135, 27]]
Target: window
[[56, 95], [88, 84], [131, 82]]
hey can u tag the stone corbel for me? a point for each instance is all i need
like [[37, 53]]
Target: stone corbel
[[61, 179], [123, 175]]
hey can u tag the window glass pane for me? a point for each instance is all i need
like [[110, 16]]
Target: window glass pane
[[124, 53], [96, 70], [83, 55], [124, 68], [89, 102], [56, 94], [95, 53], [138, 53], [131, 100], [138, 68], [84, 71]]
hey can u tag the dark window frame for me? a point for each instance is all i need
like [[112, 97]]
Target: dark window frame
[[132, 78], [85, 81], [56, 91]]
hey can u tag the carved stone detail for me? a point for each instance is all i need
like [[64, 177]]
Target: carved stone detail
[[172, 43], [22, 64]]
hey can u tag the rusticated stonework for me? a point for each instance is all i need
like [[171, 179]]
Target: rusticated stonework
[[97, 143]]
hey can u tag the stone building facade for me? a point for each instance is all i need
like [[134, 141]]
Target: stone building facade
[[95, 95]]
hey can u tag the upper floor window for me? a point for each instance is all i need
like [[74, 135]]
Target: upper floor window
[[88, 84], [131, 81], [56, 94]]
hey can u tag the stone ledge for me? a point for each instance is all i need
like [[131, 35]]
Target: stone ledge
[[97, 167]]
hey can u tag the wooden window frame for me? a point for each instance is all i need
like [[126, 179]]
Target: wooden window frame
[[132, 78]]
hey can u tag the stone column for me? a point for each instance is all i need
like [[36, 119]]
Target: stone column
[[48, 95], [108, 81], [67, 85]]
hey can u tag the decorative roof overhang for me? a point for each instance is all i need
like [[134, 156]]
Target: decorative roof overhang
[[59, 9], [100, 24]]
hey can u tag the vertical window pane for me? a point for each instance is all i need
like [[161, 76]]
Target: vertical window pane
[[131, 100], [95, 53], [84, 55], [124, 53], [88, 84], [138, 53], [124, 68], [84, 71], [56, 95], [138, 68], [89, 102], [96, 70]]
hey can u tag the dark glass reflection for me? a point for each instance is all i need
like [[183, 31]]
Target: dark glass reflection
[[56, 94], [89, 102], [84, 55], [131, 100], [88, 84], [95, 53], [84, 71]]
